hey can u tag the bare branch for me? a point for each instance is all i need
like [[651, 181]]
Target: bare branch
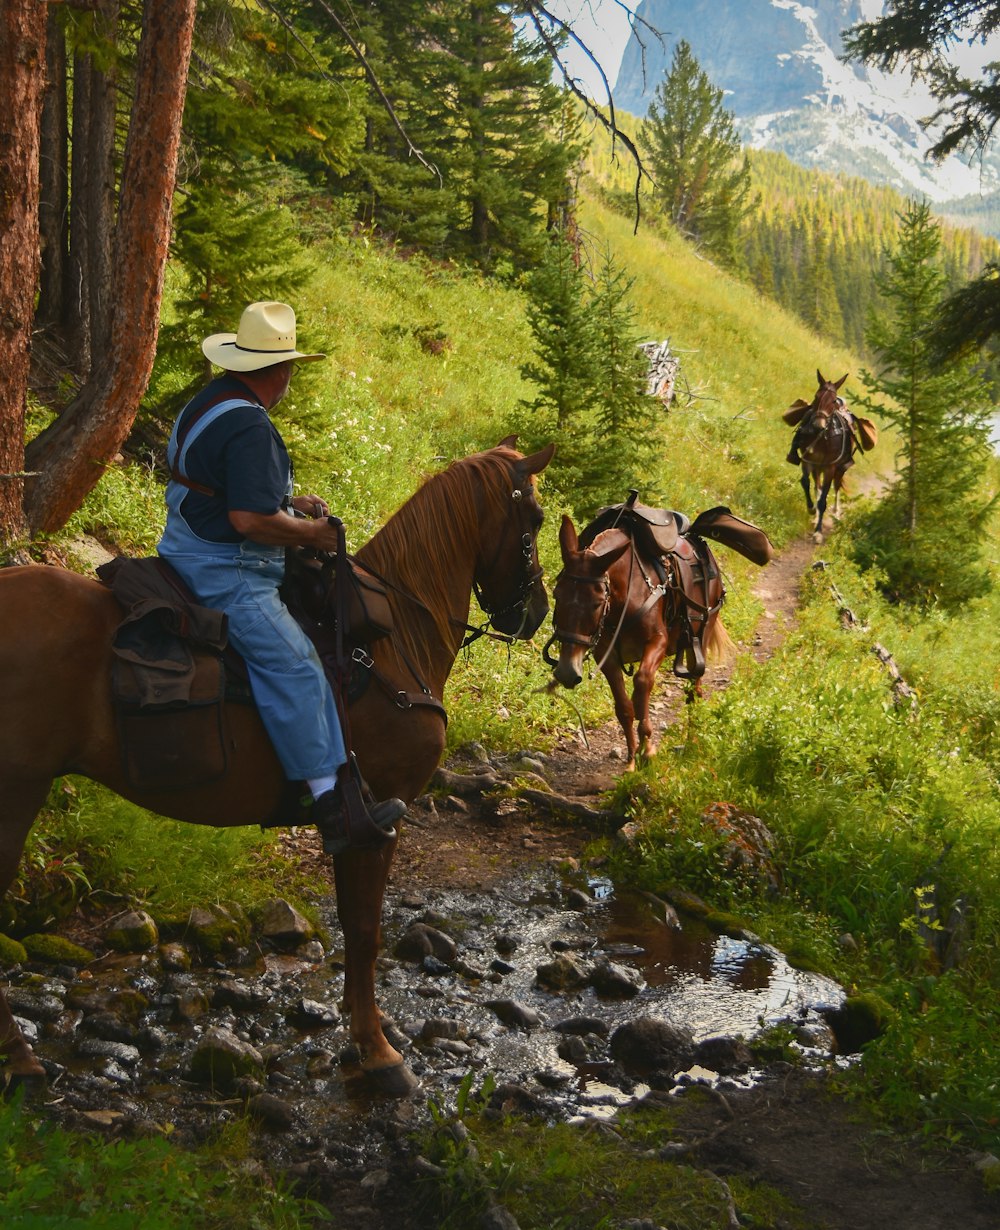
[[372, 79], [540, 15]]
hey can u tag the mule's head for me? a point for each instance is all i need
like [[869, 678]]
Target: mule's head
[[827, 398], [508, 578], [582, 598]]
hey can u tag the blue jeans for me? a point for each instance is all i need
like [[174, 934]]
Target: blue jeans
[[286, 676]]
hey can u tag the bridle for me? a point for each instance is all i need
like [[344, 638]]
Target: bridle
[[530, 576], [589, 643]]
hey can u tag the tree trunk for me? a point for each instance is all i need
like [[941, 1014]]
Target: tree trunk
[[78, 303], [54, 179], [22, 80], [100, 204], [75, 450]]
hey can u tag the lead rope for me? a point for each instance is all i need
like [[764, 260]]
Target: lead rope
[[621, 618]]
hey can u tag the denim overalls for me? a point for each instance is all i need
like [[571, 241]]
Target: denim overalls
[[291, 691]]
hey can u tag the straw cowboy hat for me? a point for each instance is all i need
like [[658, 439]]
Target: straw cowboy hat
[[266, 336]]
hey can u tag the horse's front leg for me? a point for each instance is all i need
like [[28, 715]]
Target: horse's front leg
[[821, 506], [612, 672], [642, 691], [806, 482], [361, 876]]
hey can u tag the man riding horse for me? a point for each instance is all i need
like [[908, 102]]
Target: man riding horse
[[230, 517]]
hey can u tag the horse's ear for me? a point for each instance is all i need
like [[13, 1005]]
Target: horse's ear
[[839, 382], [508, 442], [537, 461], [820, 377], [569, 544]]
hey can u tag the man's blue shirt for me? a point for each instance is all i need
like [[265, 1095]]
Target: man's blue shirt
[[240, 456]]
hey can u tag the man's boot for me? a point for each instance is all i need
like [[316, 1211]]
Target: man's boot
[[793, 455], [349, 817]]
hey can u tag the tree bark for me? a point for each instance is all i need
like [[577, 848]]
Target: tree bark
[[53, 205], [100, 204], [75, 450], [22, 80], [78, 303]]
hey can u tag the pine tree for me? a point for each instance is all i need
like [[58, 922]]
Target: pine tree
[[927, 534], [623, 445], [693, 149]]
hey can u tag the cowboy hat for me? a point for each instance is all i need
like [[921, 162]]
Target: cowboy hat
[[266, 336]]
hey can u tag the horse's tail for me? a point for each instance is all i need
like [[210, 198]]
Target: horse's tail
[[718, 644]]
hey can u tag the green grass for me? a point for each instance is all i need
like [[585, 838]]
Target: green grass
[[51, 1179]]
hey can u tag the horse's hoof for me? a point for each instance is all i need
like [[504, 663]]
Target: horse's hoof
[[394, 1081], [32, 1086], [817, 537]]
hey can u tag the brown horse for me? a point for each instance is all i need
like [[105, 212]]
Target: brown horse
[[828, 436], [474, 525], [609, 602]]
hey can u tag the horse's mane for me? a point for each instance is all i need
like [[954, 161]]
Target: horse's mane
[[440, 525]]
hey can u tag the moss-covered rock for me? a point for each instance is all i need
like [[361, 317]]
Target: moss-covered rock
[[12, 952], [860, 1020], [216, 930], [133, 931], [55, 950]]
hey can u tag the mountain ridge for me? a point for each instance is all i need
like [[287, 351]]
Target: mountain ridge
[[778, 62]]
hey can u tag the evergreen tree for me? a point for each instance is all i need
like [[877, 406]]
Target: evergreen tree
[[623, 446], [693, 150], [565, 364], [927, 534]]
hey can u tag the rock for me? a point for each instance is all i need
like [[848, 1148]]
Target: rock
[[501, 967], [35, 1005], [271, 1112], [12, 952], [573, 1050], [240, 996], [650, 1043], [437, 969], [421, 941], [577, 899], [54, 950], [749, 846], [216, 930], [582, 1025], [816, 1034], [562, 974], [120, 1052], [311, 950], [442, 1027], [192, 1003], [515, 1015], [860, 1020], [310, 1014], [497, 1217], [615, 981], [506, 943], [724, 1055], [282, 924], [552, 1078], [134, 931], [108, 1025], [220, 1057], [513, 1099], [174, 956]]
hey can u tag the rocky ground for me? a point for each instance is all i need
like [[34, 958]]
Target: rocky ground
[[481, 876]]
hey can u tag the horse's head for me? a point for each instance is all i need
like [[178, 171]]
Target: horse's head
[[582, 597], [826, 400], [508, 577]]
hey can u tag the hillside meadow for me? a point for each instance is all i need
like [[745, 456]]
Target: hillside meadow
[[878, 809]]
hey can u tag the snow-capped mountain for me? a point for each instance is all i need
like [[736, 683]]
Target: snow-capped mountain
[[778, 63]]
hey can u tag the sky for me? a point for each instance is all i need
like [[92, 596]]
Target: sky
[[603, 25]]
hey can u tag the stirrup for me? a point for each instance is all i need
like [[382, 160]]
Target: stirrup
[[690, 660]]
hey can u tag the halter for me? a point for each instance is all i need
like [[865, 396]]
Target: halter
[[589, 643]]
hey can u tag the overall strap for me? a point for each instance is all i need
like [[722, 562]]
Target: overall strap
[[182, 438]]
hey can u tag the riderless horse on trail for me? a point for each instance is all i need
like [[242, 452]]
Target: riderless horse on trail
[[637, 584], [827, 437], [473, 526]]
